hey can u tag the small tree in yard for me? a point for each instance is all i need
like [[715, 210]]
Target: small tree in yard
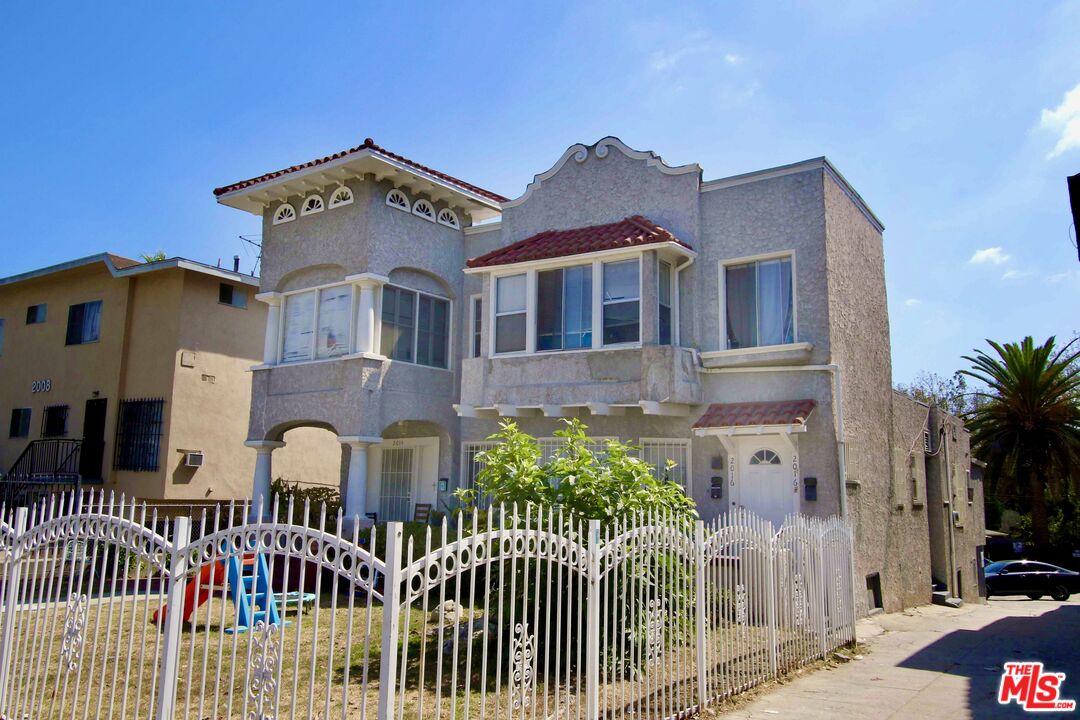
[[611, 486], [604, 486]]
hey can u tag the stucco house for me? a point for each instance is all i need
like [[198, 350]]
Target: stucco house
[[736, 326], [132, 377]]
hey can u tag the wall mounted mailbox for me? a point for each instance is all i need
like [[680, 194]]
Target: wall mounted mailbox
[[716, 491], [810, 488]]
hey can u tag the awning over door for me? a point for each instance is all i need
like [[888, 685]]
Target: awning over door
[[783, 416]]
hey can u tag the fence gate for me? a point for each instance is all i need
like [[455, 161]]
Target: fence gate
[[492, 621], [110, 611]]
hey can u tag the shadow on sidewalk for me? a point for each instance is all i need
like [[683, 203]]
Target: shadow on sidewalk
[[979, 655]]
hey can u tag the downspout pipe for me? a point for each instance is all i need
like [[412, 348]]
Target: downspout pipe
[[838, 402]]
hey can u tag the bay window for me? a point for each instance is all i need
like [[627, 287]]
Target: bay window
[[663, 292], [299, 327], [415, 327], [564, 308], [574, 307], [621, 302], [432, 332], [759, 300], [335, 319], [477, 325], [398, 321], [510, 313], [317, 324]]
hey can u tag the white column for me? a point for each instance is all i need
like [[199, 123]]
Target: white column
[[355, 500], [260, 487], [366, 285], [365, 319], [273, 322]]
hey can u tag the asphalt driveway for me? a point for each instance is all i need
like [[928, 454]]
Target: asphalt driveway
[[936, 662]]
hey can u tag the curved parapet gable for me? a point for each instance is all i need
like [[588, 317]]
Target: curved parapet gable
[[580, 153]]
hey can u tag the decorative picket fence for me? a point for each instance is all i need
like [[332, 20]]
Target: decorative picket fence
[[113, 612]]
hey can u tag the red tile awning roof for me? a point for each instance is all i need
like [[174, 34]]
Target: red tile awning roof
[[368, 144], [633, 231], [752, 414]]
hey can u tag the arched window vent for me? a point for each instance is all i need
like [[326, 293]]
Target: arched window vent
[[396, 199], [284, 214], [312, 205], [424, 209], [341, 196], [449, 218]]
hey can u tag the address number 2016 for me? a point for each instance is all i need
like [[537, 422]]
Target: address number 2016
[[39, 386]]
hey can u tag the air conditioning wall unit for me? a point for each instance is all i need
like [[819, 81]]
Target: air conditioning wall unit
[[193, 459]]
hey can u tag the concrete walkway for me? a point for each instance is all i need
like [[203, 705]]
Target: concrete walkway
[[936, 662]]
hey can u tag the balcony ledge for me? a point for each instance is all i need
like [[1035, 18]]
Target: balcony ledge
[[789, 354]]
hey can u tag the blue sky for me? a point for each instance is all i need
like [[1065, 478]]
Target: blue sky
[[957, 124]]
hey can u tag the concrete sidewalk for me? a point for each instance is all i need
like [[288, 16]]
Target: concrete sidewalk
[[936, 662]]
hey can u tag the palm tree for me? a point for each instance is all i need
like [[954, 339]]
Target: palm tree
[[1027, 430]]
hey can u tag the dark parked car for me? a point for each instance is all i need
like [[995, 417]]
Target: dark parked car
[[1027, 577]]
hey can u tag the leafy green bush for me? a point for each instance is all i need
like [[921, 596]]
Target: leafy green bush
[[611, 486], [596, 486]]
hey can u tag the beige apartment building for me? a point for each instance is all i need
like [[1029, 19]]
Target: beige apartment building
[[134, 377]]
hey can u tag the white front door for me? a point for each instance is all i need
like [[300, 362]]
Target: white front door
[[766, 485]]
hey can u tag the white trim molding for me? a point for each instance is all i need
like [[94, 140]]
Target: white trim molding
[[580, 153]]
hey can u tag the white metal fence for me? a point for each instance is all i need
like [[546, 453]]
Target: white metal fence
[[113, 612]]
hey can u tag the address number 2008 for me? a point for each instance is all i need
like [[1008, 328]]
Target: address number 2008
[[39, 386]]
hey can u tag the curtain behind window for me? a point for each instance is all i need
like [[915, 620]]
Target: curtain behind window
[[774, 302], [741, 300]]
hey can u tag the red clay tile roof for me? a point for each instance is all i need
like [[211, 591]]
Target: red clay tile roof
[[751, 414], [631, 232], [368, 144]]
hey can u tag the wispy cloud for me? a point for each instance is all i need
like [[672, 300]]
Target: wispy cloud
[[993, 255], [913, 302], [1064, 121], [1016, 275], [1063, 276], [694, 44]]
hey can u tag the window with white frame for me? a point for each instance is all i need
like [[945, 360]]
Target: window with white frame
[[317, 324], [334, 321], [759, 300], [621, 302], [476, 330], [564, 308], [398, 323], [664, 294], [510, 292], [415, 327], [658, 451]]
